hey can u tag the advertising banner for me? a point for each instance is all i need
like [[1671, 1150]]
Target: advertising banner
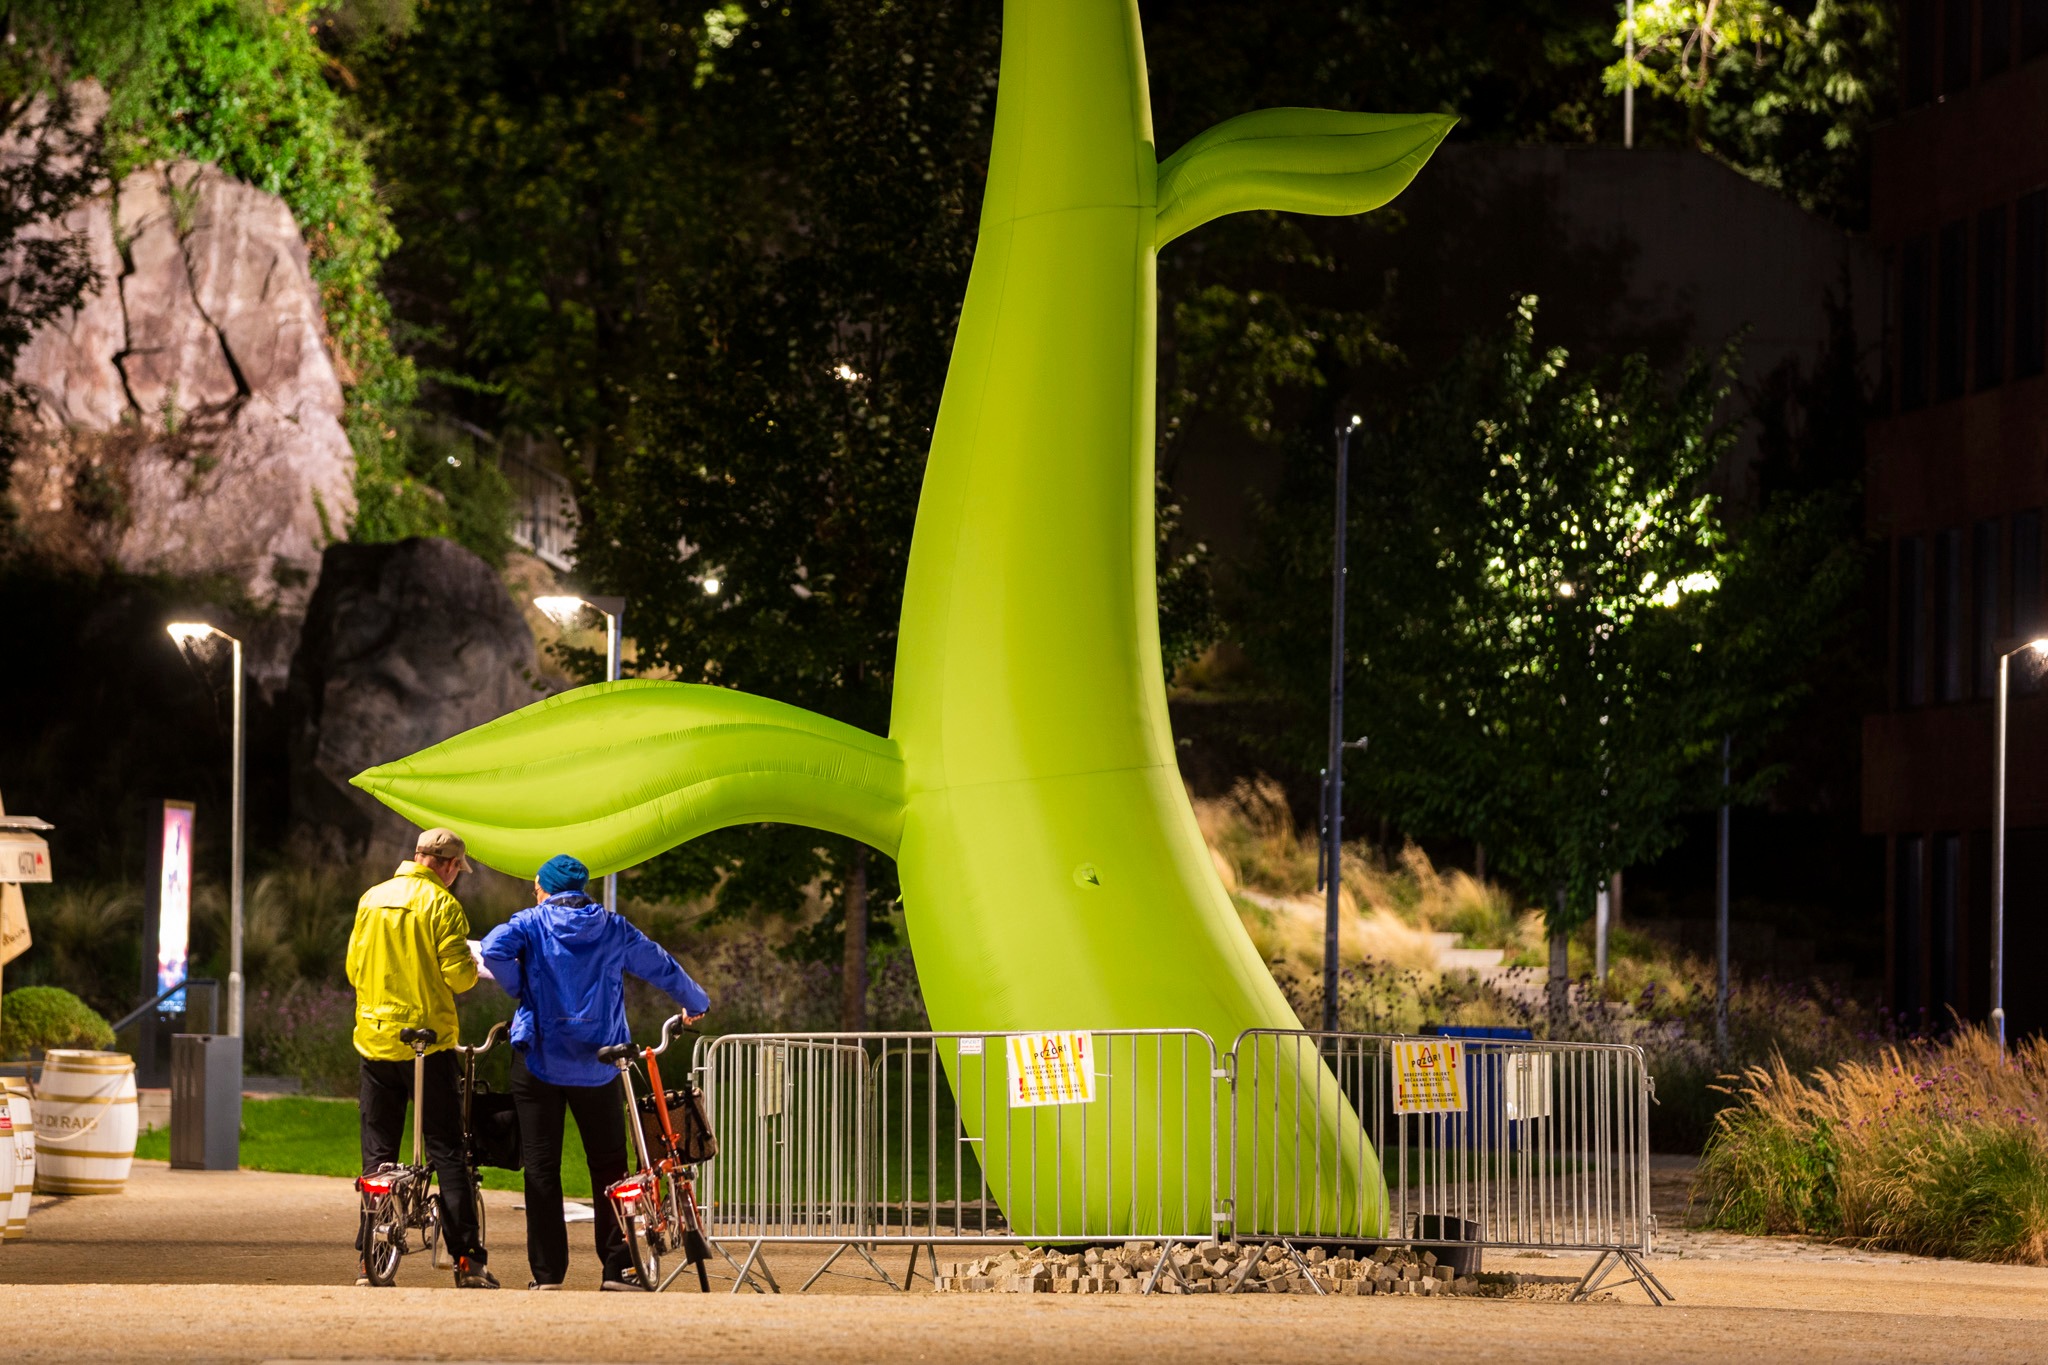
[[174, 902]]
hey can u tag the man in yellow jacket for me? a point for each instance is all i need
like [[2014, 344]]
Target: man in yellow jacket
[[408, 957]]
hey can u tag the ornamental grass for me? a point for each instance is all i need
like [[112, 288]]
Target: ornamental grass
[[1937, 1149]]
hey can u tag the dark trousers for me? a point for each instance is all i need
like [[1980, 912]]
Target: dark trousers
[[387, 1088], [601, 1120]]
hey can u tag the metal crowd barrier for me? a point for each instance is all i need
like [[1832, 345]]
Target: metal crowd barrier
[[1537, 1146], [863, 1139], [859, 1140]]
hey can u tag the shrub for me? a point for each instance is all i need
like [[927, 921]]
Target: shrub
[[35, 1019], [1933, 1148]]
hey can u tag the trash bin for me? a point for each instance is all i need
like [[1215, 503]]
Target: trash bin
[[206, 1101], [1492, 1076]]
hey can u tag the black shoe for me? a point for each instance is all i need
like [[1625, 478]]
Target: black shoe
[[470, 1275]]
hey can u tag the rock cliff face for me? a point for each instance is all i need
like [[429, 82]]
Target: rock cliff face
[[186, 419], [404, 645]]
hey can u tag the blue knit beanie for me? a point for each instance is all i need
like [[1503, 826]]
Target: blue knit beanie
[[562, 873]]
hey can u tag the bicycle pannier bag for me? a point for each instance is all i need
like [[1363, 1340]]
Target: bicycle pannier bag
[[695, 1141], [493, 1131]]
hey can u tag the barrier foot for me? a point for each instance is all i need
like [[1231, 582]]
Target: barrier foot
[[911, 1274], [1244, 1271], [1162, 1266], [857, 1249], [743, 1274], [1639, 1274]]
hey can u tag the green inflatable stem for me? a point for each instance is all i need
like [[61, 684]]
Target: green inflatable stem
[[1053, 874]]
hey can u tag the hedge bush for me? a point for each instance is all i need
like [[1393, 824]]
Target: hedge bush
[[35, 1019]]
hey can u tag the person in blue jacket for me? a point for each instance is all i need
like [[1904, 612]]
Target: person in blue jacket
[[564, 962]]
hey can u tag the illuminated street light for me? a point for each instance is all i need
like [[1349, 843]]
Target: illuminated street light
[[188, 635], [2040, 647], [563, 611]]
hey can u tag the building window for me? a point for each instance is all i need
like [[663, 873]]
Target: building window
[[1984, 631], [1909, 858], [1952, 273], [1994, 37], [2030, 284], [1991, 298], [1920, 52], [2033, 29], [1912, 646], [2026, 574], [1948, 616], [1915, 321], [1955, 45], [1943, 905]]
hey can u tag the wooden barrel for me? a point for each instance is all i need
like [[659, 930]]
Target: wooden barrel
[[8, 1233], [22, 1156], [85, 1122]]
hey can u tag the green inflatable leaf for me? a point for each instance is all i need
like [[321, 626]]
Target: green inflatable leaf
[[619, 772], [1301, 160]]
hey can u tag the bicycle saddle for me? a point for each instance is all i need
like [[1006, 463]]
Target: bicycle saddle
[[617, 1052], [417, 1035]]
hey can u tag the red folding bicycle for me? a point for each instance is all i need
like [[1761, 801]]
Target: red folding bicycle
[[657, 1204]]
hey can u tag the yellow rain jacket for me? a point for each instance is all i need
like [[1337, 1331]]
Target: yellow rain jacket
[[407, 957]]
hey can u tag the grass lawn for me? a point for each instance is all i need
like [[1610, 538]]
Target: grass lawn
[[309, 1136]]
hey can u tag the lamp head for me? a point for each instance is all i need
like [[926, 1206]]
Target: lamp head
[[192, 632], [711, 587], [563, 611], [2039, 645]]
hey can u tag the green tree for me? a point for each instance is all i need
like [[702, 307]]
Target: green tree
[[1785, 95], [758, 502], [1553, 625]]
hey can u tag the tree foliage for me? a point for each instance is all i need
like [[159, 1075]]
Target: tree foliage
[[1553, 628], [50, 161], [1786, 95]]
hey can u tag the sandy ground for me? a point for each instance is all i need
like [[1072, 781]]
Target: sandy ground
[[253, 1266]]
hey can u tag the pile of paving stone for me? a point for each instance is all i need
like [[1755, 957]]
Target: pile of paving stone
[[1213, 1268]]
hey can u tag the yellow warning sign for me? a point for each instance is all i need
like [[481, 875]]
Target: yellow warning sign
[[1051, 1068], [1429, 1077]]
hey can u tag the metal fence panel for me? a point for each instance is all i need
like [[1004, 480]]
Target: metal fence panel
[[914, 1137], [1550, 1148]]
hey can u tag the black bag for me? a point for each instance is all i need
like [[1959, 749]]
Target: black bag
[[494, 1131], [695, 1141]]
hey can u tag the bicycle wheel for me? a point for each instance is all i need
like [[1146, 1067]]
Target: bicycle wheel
[[696, 1248], [386, 1241], [646, 1255], [651, 1228], [476, 1200]]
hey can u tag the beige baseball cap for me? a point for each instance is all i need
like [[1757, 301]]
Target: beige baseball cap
[[443, 843]]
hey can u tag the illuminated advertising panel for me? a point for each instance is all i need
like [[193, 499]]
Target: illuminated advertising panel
[[174, 902]]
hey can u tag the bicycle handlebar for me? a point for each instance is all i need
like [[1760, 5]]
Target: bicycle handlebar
[[670, 1027], [620, 1054], [490, 1041]]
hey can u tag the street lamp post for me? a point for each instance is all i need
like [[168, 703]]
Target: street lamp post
[[1333, 775], [187, 634], [2040, 647], [563, 611]]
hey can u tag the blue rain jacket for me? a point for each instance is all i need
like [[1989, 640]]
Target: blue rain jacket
[[563, 961]]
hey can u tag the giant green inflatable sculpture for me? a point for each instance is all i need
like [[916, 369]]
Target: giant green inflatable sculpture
[[1053, 875]]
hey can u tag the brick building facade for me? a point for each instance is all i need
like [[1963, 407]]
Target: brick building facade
[[1958, 482]]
